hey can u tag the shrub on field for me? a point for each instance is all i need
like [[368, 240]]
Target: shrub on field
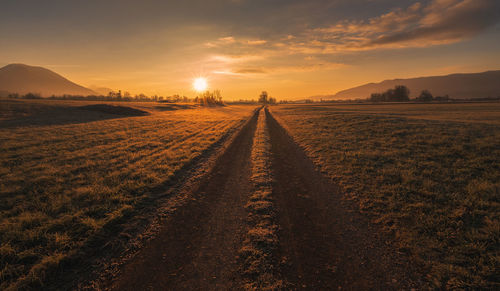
[[425, 96], [400, 93], [32, 96], [210, 98]]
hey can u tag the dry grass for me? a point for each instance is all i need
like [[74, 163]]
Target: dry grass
[[60, 184], [429, 174], [261, 239]]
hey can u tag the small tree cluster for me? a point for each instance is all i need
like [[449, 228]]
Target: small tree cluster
[[400, 93], [265, 99], [210, 98], [25, 96], [425, 96], [447, 98]]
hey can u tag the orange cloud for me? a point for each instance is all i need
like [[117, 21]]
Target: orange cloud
[[439, 22]]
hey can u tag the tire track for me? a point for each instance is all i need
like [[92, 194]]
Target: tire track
[[198, 246], [264, 219], [324, 245]]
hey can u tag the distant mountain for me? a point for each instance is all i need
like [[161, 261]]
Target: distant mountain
[[22, 79], [101, 90], [457, 86]]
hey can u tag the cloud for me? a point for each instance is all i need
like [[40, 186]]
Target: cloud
[[251, 71], [418, 25], [436, 22], [276, 66], [230, 40], [227, 39], [443, 21], [439, 22], [256, 42]]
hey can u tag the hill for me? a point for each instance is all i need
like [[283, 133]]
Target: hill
[[101, 90], [22, 79], [457, 86]]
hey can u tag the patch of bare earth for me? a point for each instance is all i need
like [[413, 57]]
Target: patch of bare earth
[[324, 243], [265, 219], [197, 247]]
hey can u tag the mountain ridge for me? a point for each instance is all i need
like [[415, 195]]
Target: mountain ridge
[[22, 79], [456, 85]]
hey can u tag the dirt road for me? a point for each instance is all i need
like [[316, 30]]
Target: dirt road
[[321, 243]]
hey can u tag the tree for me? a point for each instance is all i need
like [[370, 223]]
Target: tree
[[377, 97], [263, 97], [401, 93], [210, 98], [32, 96], [425, 96], [442, 98]]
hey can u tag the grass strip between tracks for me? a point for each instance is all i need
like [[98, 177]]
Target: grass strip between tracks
[[259, 268]]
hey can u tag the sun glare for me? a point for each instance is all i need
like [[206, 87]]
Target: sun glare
[[200, 84]]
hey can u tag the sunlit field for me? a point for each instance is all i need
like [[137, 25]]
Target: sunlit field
[[429, 174], [68, 173]]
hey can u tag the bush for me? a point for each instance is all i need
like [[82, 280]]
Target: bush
[[425, 96], [32, 96], [210, 98], [400, 93]]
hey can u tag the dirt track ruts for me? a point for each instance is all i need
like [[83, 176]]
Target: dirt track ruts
[[197, 248], [323, 244]]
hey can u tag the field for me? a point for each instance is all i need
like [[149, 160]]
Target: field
[[429, 174], [72, 170], [133, 196]]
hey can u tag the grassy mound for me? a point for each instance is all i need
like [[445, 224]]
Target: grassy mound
[[112, 109]]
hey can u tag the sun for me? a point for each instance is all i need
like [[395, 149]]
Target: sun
[[200, 84]]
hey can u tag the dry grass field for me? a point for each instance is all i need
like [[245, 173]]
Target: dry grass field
[[71, 169], [80, 178], [428, 173]]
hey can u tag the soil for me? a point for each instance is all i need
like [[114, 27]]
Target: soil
[[324, 242], [197, 247]]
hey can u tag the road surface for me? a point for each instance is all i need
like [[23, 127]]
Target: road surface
[[322, 244]]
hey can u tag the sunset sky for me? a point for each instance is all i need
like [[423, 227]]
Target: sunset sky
[[291, 48]]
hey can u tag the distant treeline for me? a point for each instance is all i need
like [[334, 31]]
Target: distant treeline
[[264, 98], [399, 93], [206, 98], [209, 98]]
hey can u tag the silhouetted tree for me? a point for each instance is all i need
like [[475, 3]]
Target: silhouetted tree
[[210, 98], [377, 97], [443, 98], [263, 97], [400, 93], [32, 96], [425, 96]]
